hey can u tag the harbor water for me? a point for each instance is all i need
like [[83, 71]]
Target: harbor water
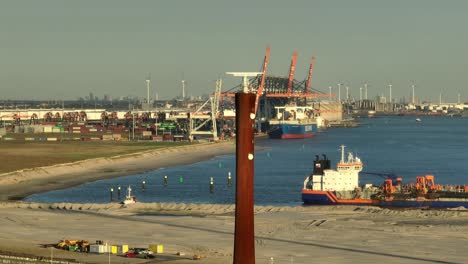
[[396, 144]]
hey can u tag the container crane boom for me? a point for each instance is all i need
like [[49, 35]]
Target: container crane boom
[[292, 70], [262, 82], [391, 176], [309, 78]]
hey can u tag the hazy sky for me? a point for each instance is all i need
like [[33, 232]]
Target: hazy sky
[[66, 49]]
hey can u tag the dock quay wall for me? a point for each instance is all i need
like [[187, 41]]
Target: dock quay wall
[[331, 111]]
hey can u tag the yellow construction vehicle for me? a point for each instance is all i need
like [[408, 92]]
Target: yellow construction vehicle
[[73, 245]]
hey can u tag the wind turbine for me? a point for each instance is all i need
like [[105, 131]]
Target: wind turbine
[[339, 92], [347, 93], [183, 89], [390, 87], [148, 80], [365, 90]]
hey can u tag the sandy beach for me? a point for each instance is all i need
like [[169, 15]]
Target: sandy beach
[[327, 234], [19, 184]]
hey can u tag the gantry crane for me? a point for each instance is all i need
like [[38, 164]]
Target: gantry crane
[[199, 119]]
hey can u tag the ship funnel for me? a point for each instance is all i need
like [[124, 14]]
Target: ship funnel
[[317, 157], [318, 167], [326, 162]]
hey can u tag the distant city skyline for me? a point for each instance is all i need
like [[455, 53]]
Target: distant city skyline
[[65, 50]]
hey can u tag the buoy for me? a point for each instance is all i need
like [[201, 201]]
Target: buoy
[[211, 185], [181, 179], [229, 179], [111, 194], [143, 185], [165, 180]]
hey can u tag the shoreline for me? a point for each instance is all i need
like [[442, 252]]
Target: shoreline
[[283, 233], [17, 185]]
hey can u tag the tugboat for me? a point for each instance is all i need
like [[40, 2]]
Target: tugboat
[[129, 199], [326, 186]]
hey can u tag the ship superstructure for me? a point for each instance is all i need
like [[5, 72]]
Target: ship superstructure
[[293, 121], [344, 178]]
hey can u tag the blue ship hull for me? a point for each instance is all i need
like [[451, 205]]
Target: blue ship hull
[[329, 198], [287, 131]]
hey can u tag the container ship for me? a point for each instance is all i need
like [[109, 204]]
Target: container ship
[[340, 186], [293, 121]]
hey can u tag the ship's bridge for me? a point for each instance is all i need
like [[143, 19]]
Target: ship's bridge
[[344, 178], [353, 164]]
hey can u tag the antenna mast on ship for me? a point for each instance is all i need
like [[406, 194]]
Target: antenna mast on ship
[[129, 191], [342, 153]]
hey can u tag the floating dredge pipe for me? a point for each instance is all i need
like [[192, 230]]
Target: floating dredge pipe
[[244, 246]]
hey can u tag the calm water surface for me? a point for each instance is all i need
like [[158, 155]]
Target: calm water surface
[[437, 145]]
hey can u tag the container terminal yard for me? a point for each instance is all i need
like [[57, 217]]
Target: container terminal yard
[[213, 119], [183, 119]]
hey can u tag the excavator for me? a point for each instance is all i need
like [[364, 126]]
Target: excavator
[[424, 186], [391, 184]]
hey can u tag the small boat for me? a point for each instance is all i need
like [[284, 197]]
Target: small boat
[[418, 119], [371, 113], [129, 199]]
